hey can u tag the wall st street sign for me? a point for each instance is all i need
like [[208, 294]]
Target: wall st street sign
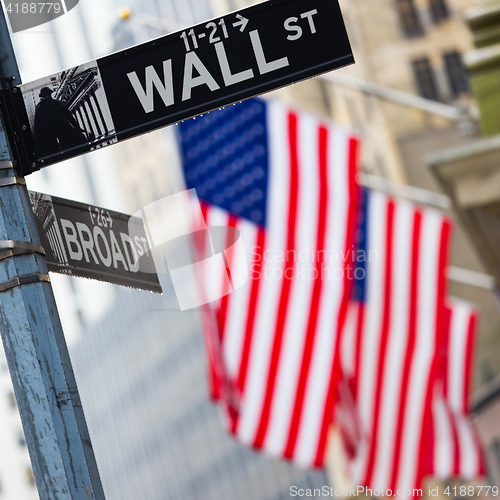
[[91, 242], [178, 76]]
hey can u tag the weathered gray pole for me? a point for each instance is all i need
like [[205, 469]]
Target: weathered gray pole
[[44, 384]]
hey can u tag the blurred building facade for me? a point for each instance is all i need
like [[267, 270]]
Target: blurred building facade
[[486, 407], [469, 174], [141, 373], [141, 369], [414, 46], [16, 475]]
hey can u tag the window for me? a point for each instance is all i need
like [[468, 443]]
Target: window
[[455, 71], [425, 79], [439, 10], [409, 18]]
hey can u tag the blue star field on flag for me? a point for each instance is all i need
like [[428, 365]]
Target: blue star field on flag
[[225, 158]]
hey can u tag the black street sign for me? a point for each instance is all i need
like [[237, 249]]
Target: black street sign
[[91, 242], [181, 75]]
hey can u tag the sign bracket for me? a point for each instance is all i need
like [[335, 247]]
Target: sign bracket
[[11, 181], [17, 128], [26, 279], [9, 248]]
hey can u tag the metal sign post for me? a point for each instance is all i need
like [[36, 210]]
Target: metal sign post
[[44, 384]]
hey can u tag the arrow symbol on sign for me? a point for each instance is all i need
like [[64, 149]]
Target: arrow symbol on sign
[[243, 21]]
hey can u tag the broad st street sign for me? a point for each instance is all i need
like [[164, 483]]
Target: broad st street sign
[[178, 76], [91, 242]]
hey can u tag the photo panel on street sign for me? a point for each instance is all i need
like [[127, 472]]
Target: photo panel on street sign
[[68, 113], [184, 74]]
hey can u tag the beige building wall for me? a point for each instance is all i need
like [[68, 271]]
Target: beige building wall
[[486, 409], [386, 53]]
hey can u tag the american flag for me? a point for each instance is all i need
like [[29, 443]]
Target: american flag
[[457, 451], [391, 336], [394, 353], [287, 181]]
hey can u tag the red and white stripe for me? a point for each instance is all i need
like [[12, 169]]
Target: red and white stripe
[[457, 450], [394, 333], [279, 335]]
